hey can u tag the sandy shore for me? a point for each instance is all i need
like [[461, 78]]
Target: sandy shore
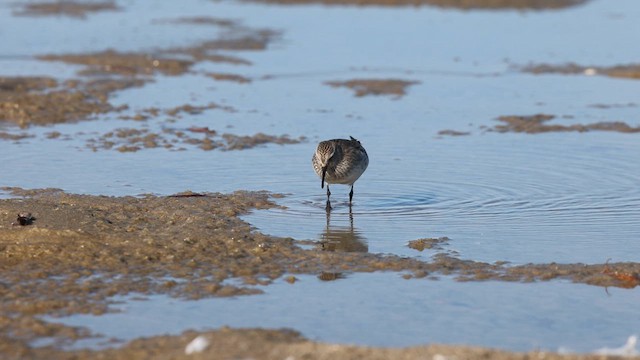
[[65, 254]]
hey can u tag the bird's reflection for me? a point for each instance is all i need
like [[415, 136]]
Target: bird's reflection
[[342, 238]]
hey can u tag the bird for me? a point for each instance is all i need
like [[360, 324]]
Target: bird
[[339, 161]]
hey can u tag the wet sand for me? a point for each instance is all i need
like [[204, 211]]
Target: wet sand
[[134, 139], [457, 4], [65, 8], [39, 100], [229, 77], [77, 251], [67, 254], [396, 88], [29, 101], [628, 71], [539, 123], [81, 9], [281, 344]]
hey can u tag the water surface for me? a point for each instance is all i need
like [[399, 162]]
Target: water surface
[[554, 197], [382, 309]]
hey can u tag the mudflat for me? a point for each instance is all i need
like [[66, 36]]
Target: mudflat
[[64, 254]]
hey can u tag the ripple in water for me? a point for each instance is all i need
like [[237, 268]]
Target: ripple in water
[[543, 212]]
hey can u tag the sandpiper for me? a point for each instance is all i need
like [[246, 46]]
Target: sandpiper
[[339, 161]]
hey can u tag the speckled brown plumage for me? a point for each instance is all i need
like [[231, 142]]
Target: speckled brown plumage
[[340, 161]]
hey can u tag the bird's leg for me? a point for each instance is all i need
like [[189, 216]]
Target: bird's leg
[[324, 172], [328, 207], [350, 195], [351, 217]]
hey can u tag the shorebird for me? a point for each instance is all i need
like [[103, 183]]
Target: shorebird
[[339, 161]]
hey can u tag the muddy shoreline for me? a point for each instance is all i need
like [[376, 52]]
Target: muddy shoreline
[[41, 101], [454, 4], [28, 101], [542, 123], [74, 9], [625, 71], [79, 9], [78, 251], [229, 343], [396, 88], [64, 254]]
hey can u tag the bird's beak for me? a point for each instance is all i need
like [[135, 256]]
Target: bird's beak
[[324, 171]]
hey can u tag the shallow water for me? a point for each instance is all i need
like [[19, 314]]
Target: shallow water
[[554, 197], [442, 311], [492, 207]]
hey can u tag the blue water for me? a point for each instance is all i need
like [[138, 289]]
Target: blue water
[[555, 197], [383, 309]]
